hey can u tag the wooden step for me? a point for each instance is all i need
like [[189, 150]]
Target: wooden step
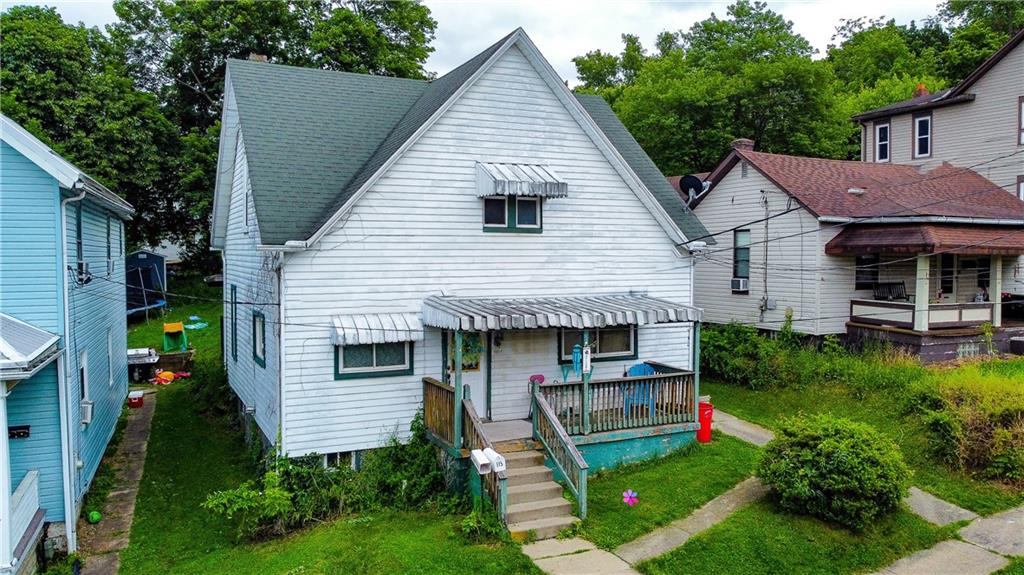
[[533, 492], [540, 509], [515, 445], [540, 528], [520, 459], [528, 475]]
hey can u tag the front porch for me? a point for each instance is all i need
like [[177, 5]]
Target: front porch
[[935, 289], [570, 422]]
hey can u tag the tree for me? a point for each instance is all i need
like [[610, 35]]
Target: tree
[[66, 85], [968, 47], [178, 49], [1003, 16], [879, 50]]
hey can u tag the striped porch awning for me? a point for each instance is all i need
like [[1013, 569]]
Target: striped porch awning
[[366, 328], [24, 348], [519, 180], [579, 312]]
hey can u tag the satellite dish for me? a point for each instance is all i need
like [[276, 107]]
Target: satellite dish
[[691, 186]]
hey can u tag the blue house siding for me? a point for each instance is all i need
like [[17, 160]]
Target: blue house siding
[[34, 402], [30, 286], [96, 309]]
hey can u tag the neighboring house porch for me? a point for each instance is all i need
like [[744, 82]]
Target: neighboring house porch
[[27, 365], [937, 289], [568, 422]]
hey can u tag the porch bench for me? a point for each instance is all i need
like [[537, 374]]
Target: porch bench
[[891, 291]]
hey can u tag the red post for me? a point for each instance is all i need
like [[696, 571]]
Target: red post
[[707, 411]]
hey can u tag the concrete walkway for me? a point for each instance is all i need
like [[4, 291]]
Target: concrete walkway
[[935, 510], [667, 538], [736, 427], [100, 544], [575, 557]]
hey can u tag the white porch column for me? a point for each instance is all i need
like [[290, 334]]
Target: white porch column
[[995, 291], [6, 547], [922, 292]]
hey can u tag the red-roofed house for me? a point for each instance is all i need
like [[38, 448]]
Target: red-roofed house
[[859, 248]]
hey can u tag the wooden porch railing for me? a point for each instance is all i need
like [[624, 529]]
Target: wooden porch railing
[[624, 403], [560, 450], [439, 409], [903, 314], [495, 484]]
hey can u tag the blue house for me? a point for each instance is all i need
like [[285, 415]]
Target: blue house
[[63, 356]]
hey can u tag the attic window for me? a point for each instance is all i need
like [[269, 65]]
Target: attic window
[[513, 214], [743, 168]]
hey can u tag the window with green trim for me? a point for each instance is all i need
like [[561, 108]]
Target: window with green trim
[[513, 214], [234, 324], [608, 343], [372, 360], [259, 338]]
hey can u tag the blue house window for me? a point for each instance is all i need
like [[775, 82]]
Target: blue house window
[[110, 247], [234, 324], [259, 338]]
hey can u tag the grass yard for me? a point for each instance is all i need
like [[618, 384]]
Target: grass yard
[[669, 488], [206, 305], [191, 455], [879, 410], [761, 540]]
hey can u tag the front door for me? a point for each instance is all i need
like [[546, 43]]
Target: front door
[[947, 278], [474, 367]]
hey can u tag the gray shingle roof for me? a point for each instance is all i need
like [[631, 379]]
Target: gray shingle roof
[[314, 137], [642, 165]]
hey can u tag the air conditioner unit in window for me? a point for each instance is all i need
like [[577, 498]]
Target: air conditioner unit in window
[[86, 412], [740, 284], [82, 274]]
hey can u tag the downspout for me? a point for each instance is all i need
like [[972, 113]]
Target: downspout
[[66, 424], [7, 559], [282, 448]]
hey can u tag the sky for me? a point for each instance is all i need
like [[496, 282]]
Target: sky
[[563, 29]]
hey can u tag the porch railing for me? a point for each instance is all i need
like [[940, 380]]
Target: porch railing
[[24, 505], [439, 409], [495, 484], [568, 461], [904, 314], [624, 403]]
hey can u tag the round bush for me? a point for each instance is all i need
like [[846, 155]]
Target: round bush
[[834, 469]]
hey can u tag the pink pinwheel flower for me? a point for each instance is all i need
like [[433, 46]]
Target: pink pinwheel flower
[[629, 497]]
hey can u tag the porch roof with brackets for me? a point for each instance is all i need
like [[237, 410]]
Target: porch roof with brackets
[[576, 312]]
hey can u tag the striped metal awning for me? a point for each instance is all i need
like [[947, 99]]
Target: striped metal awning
[[364, 328], [482, 314], [24, 348], [519, 180]]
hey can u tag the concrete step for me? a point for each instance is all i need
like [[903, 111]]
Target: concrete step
[[533, 492], [539, 509], [520, 459], [540, 528], [528, 475]]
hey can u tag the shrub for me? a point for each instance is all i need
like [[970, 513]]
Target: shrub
[[256, 509], [976, 413], [401, 474], [834, 469], [210, 390]]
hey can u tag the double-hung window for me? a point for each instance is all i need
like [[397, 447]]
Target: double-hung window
[[372, 360], [740, 261], [866, 272], [515, 214], [608, 343], [110, 357], [1020, 121], [923, 135], [1020, 187], [234, 323], [259, 338], [882, 142]]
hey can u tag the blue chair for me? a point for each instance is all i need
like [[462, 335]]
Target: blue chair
[[639, 393]]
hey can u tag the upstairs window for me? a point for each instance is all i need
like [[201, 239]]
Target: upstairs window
[[372, 360], [740, 261], [1020, 121], [882, 142], [1020, 187], [513, 214], [923, 136], [259, 338], [866, 274], [110, 249]]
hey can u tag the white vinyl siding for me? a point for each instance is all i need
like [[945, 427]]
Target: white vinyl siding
[[791, 256], [250, 287], [418, 232]]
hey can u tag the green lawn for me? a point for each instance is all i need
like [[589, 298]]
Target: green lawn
[[190, 455], [761, 540], [879, 410], [205, 303], [669, 488]]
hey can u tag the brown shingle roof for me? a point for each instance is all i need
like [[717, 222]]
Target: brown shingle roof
[[927, 239], [823, 186]]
